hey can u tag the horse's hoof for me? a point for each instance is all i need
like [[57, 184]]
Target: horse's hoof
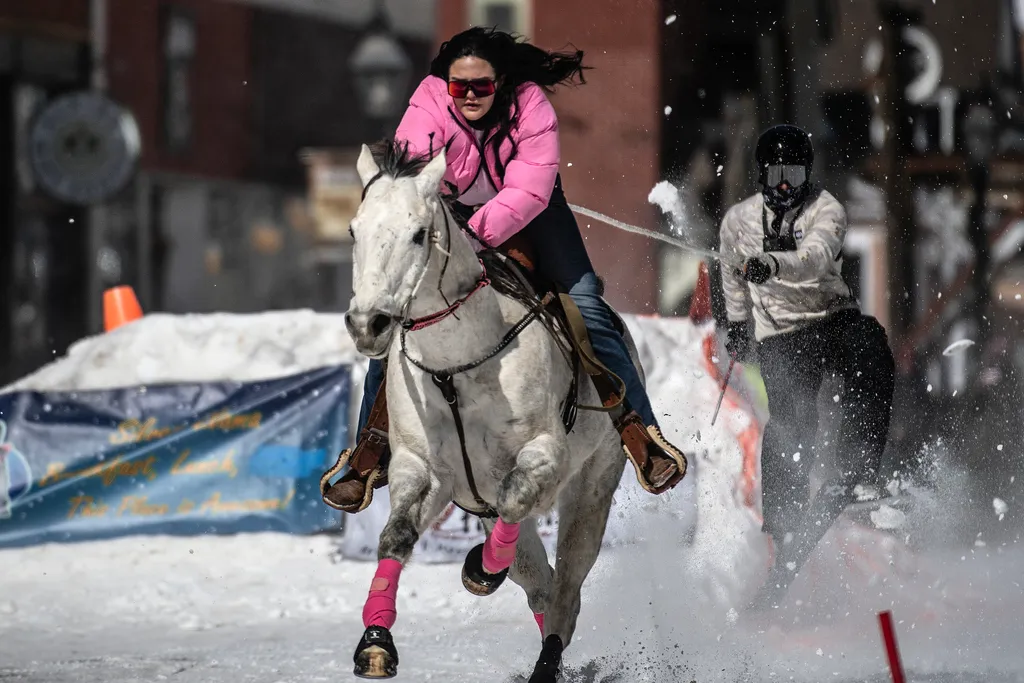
[[549, 664], [475, 579], [376, 655]]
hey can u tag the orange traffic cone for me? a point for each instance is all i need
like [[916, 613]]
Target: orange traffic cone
[[120, 307], [700, 303]]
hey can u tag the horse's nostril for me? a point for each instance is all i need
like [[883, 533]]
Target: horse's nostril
[[350, 323], [379, 323]]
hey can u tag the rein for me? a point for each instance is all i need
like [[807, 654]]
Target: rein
[[417, 324]]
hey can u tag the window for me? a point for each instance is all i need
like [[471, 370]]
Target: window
[[179, 49], [507, 15], [503, 16]]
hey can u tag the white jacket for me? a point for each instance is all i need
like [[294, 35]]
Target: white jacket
[[806, 284]]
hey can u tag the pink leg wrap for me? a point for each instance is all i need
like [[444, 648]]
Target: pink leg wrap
[[500, 547], [540, 622], [380, 609]]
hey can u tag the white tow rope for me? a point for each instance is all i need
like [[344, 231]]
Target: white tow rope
[[668, 239]]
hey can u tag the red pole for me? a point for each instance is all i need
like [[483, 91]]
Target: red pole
[[891, 649]]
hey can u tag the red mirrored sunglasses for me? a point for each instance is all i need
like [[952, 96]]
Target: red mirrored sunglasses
[[481, 87]]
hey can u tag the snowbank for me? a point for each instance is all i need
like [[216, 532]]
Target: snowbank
[[163, 348]]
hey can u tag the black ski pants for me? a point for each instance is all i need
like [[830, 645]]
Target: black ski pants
[[854, 347]]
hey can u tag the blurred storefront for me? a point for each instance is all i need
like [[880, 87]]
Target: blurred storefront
[[44, 53], [208, 206]]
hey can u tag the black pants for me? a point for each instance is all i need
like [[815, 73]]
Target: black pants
[[847, 345]]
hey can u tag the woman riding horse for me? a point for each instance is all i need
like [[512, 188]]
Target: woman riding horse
[[484, 102]]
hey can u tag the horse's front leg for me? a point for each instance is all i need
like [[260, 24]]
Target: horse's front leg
[[416, 500], [531, 481]]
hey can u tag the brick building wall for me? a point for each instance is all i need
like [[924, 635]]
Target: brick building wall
[[610, 128], [68, 18], [219, 94], [303, 92]]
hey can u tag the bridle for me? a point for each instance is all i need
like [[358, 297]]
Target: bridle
[[413, 324], [434, 243]]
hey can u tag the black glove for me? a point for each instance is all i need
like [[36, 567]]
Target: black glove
[[738, 341], [756, 269]]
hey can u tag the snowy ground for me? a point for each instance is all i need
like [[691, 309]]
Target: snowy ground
[[272, 608]]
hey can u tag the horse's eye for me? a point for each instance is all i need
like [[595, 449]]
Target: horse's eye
[[350, 232], [420, 235]]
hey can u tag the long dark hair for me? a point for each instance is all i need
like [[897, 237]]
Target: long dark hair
[[515, 62]]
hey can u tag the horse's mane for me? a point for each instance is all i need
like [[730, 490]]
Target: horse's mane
[[394, 159]]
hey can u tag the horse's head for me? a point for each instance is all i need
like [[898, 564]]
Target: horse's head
[[394, 232]]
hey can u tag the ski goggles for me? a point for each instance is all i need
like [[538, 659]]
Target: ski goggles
[[481, 87], [776, 174]]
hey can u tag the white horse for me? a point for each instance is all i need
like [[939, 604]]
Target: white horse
[[477, 392]]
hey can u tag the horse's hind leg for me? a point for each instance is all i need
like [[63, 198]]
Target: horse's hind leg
[[582, 517], [415, 501]]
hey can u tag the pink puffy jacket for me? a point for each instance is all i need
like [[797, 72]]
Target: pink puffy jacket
[[432, 122]]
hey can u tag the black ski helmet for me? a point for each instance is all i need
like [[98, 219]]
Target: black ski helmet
[[784, 145]]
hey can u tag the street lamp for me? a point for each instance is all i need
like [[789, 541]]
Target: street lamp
[[381, 70]]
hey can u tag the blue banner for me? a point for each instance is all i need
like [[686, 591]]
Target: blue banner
[[220, 457]]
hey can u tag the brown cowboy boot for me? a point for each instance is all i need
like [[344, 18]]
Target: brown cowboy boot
[[368, 467], [659, 465]]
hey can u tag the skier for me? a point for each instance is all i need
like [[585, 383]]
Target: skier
[[484, 102], [808, 325]]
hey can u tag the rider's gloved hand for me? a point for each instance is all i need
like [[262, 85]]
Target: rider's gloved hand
[[739, 341], [758, 269]]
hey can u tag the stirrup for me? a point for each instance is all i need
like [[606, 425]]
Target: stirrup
[[376, 478], [367, 462], [636, 441]]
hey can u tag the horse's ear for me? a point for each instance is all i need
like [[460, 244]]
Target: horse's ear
[[366, 166], [428, 182]]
